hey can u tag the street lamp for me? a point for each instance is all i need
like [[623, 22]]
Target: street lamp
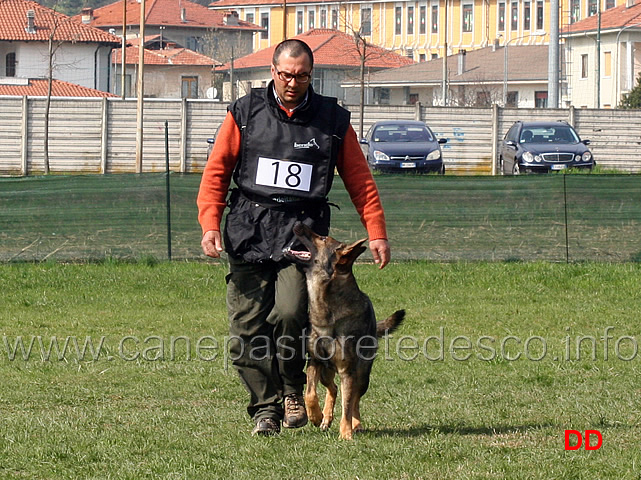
[[538, 33]]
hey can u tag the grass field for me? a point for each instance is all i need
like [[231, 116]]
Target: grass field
[[481, 381]]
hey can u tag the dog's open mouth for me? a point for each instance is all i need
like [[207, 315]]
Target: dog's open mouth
[[300, 255]]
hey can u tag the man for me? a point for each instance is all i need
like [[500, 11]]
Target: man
[[281, 145]]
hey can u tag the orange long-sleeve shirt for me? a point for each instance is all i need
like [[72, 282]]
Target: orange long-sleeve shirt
[[351, 165]]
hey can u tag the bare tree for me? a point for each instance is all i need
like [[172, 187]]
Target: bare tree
[[366, 53], [53, 47], [224, 47]]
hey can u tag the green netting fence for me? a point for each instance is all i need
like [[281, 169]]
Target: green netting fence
[[554, 217]]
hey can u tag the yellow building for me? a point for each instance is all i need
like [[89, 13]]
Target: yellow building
[[418, 29]]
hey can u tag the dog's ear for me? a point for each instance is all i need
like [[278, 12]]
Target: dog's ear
[[349, 253]]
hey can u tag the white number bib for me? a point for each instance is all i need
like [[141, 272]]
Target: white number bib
[[283, 174]]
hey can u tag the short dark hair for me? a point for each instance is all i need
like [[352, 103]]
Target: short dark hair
[[295, 48]]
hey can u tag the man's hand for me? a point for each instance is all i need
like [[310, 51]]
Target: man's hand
[[212, 243], [381, 252]]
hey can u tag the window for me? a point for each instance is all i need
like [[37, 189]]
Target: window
[[526, 15], [607, 64], [468, 17], [323, 18], [10, 64], [194, 43], [584, 66], [398, 21], [335, 19], [311, 19], [422, 57], [381, 95], [189, 87], [515, 16], [512, 99], [422, 20], [575, 11], [593, 7], [434, 18], [501, 18], [264, 22], [249, 17], [539, 15], [541, 99], [366, 21], [410, 20], [610, 4], [299, 22]]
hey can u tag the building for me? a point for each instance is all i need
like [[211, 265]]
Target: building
[[171, 71], [185, 23], [474, 79], [420, 29], [80, 53], [604, 53], [337, 59]]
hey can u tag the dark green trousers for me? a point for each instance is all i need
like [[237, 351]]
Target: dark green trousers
[[267, 306]]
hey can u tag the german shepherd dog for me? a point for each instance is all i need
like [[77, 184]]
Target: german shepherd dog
[[344, 331]]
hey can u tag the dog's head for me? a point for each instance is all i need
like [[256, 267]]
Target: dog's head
[[324, 255]]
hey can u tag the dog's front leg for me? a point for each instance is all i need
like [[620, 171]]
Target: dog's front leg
[[327, 379], [347, 392], [311, 395]]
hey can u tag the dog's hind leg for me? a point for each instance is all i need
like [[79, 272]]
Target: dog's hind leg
[[311, 394], [327, 379]]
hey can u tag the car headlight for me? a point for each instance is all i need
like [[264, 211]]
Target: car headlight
[[528, 157], [586, 157], [378, 155], [434, 155]]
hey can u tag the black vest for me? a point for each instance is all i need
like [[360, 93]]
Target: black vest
[[288, 156], [284, 174]]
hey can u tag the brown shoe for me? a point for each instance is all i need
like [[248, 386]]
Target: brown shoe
[[295, 414], [266, 427]]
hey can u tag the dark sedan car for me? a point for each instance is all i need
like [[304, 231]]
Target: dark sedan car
[[532, 147], [403, 146]]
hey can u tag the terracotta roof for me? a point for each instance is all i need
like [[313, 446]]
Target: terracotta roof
[[37, 87], [611, 19], [166, 56], [525, 63], [331, 48], [165, 12], [13, 25]]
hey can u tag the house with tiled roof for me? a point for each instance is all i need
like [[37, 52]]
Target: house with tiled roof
[[604, 56], [171, 71], [475, 78], [81, 54], [182, 22], [336, 59]]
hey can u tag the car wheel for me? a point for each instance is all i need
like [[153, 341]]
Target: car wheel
[[501, 165], [442, 170], [516, 170]]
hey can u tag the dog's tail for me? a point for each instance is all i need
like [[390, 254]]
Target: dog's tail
[[390, 324]]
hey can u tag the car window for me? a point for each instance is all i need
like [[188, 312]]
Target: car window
[[551, 134], [402, 133], [512, 133]]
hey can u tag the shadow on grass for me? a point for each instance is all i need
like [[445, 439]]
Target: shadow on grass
[[423, 430]]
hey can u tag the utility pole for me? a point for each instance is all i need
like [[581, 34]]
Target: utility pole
[[553, 56], [444, 88], [123, 55], [140, 89]]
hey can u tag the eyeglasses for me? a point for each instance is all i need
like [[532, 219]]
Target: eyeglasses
[[288, 77]]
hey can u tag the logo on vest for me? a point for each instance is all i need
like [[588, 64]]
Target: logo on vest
[[311, 144]]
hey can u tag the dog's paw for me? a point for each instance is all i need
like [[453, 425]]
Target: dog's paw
[[324, 426]]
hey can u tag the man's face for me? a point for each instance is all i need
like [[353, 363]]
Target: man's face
[[293, 91]]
